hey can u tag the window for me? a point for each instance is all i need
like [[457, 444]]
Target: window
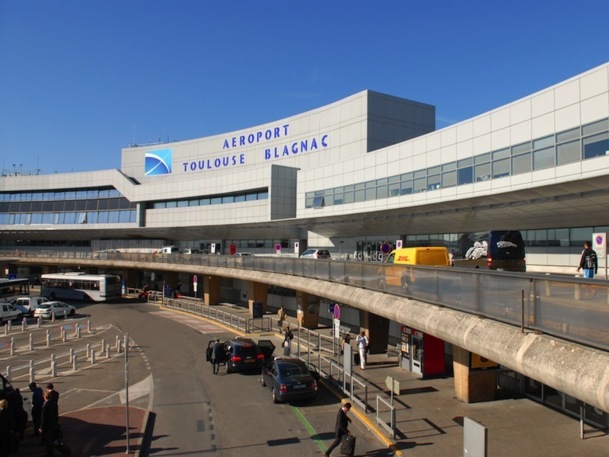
[[521, 163], [501, 168], [544, 158], [483, 172], [568, 152], [465, 175], [596, 146], [318, 202]]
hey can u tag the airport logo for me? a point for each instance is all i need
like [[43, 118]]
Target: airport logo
[[158, 162]]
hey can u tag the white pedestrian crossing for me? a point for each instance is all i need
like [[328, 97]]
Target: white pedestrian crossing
[[199, 325]]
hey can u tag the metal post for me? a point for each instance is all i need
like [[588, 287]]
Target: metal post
[[32, 374], [48, 338], [12, 346], [31, 342], [127, 392]]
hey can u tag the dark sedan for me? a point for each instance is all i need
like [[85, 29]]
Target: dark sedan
[[243, 354], [289, 380]]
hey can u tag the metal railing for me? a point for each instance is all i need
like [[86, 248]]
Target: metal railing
[[574, 309]]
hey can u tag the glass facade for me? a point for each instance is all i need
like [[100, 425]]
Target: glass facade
[[574, 145], [84, 206]]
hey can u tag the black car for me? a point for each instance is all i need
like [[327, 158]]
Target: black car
[[289, 379], [243, 354]]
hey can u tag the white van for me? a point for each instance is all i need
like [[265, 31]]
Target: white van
[[29, 303], [169, 249]]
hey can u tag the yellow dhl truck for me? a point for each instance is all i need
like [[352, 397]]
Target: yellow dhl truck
[[394, 274]]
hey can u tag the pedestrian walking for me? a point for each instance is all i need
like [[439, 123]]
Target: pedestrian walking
[[281, 316], [7, 429], [341, 428], [49, 421], [218, 356], [287, 342], [589, 263], [362, 346], [37, 402], [344, 342]]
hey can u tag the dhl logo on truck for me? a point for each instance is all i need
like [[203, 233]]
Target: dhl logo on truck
[[403, 258]]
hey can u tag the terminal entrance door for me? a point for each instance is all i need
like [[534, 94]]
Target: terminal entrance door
[[421, 353]]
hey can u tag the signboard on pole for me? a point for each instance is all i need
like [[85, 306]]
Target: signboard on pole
[[599, 244]]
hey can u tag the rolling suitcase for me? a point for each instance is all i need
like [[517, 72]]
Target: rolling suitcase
[[62, 448], [347, 445]]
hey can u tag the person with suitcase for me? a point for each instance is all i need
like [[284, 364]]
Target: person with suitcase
[[341, 430]]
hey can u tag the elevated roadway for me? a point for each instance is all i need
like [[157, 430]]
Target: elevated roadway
[[540, 326]]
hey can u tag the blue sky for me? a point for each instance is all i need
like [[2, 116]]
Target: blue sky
[[79, 80]]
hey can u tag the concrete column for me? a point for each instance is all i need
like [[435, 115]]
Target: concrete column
[[131, 278], [212, 286], [473, 385], [377, 329], [257, 291], [307, 310]]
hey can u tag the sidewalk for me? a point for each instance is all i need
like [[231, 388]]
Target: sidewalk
[[429, 419], [95, 432]]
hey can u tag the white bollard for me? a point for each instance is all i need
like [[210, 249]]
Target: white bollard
[[38, 322], [31, 342], [53, 368], [92, 357], [6, 329], [48, 338], [9, 325], [8, 371], [63, 335], [12, 345], [119, 348], [88, 350], [32, 375], [71, 354], [108, 351], [23, 324], [52, 317], [78, 331], [75, 363], [88, 326]]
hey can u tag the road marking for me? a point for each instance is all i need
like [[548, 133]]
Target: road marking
[[199, 325], [310, 428]]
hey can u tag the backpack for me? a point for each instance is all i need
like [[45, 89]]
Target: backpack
[[591, 260]]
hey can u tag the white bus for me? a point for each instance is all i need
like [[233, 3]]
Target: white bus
[[80, 286]]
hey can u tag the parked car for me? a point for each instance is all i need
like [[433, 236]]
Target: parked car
[[243, 354], [27, 305], [243, 254], [59, 308], [8, 312], [289, 379], [316, 254]]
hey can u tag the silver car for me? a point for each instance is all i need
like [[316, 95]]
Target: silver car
[[58, 308]]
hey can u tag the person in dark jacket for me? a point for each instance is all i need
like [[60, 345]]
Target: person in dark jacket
[[37, 402], [588, 261], [218, 356], [49, 420], [341, 428], [7, 427]]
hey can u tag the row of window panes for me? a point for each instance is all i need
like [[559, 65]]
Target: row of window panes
[[102, 204], [562, 237], [220, 200], [84, 194], [258, 244], [560, 149], [87, 217]]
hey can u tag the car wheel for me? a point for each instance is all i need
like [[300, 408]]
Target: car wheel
[[275, 399]]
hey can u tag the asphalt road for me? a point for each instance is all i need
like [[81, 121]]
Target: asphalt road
[[195, 412]]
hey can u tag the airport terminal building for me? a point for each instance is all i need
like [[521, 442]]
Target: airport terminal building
[[355, 176]]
